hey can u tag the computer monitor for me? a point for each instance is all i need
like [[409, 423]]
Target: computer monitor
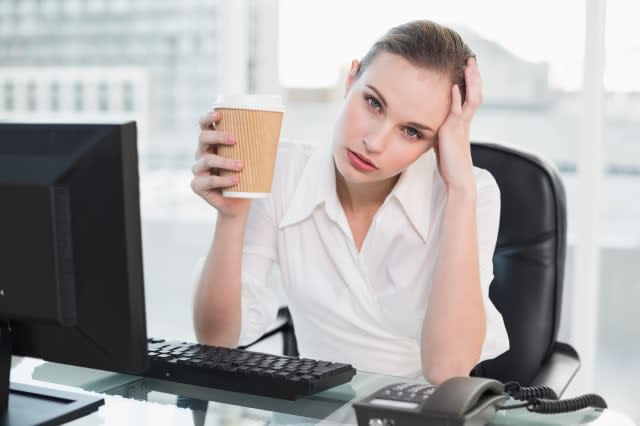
[[71, 280]]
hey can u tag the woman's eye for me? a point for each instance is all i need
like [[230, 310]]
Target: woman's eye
[[411, 132], [374, 103]]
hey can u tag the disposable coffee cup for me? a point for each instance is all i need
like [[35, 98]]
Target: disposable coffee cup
[[255, 120]]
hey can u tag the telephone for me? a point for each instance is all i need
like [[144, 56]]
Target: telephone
[[467, 401], [460, 401]]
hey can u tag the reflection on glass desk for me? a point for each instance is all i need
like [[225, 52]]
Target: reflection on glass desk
[[140, 401]]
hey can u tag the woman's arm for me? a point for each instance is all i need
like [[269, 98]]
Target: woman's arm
[[216, 313], [233, 299], [217, 299], [454, 327]]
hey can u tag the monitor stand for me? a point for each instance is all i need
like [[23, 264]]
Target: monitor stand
[[27, 405]]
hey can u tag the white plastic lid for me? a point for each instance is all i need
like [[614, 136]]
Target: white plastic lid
[[234, 194], [244, 101]]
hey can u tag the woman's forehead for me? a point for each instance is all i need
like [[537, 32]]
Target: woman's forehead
[[416, 91]]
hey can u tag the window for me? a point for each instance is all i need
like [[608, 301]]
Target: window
[[32, 103], [128, 103], [78, 96], [54, 96], [619, 291], [9, 96], [103, 96]]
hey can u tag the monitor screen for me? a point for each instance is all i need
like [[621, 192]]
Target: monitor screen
[[71, 280]]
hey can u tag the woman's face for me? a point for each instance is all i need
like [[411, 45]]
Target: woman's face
[[390, 117]]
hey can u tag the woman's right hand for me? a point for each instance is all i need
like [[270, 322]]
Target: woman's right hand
[[206, 182]]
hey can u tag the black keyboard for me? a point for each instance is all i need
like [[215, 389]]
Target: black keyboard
[[244, 371]]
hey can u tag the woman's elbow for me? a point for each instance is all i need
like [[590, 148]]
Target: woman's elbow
[[438, 372], [437, 376], [209, 333], [225, 340]]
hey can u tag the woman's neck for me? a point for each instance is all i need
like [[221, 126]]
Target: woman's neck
[[362, 197]]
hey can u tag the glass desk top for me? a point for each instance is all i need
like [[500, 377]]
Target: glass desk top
[[132, 400]]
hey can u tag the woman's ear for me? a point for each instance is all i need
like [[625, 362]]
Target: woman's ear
[[351, 76]]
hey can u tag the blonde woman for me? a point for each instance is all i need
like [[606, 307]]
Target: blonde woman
[[383, 236]]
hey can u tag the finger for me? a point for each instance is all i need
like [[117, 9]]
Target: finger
[[203, 184], [212, 161], [216, 137], [473, 81], [208, 120], [208, 138], [456, 100]]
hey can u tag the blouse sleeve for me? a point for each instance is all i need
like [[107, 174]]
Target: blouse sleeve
[[496, 340], [259, 301]]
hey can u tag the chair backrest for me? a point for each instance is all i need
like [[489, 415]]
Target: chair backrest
[[529, 258]]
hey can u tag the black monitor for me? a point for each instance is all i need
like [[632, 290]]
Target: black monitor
[[71, 281]]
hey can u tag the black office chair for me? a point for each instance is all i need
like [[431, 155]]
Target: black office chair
[[528, 271], [528, 266]]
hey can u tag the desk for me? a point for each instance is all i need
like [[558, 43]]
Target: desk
[[131, 400]]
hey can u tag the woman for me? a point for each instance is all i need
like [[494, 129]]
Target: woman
[[384, 238]]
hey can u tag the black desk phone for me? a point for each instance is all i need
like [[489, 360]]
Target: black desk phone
[[467, 401], [460, 401]]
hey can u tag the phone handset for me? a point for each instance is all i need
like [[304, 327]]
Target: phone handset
[[457, 401]]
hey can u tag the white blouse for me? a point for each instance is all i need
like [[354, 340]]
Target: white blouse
[[365, 308]]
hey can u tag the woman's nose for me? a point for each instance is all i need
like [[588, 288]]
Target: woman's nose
[[376, 140]]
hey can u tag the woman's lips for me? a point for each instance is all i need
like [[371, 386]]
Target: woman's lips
[[359, 162]]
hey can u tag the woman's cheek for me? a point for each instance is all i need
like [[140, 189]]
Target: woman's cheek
[[355, 119]]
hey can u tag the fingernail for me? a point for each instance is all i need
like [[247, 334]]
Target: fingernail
[[230, 138], [239, 165]]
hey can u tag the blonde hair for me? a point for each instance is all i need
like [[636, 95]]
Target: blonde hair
[[425, 44]]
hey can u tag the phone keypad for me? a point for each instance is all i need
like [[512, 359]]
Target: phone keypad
[[409, 392]]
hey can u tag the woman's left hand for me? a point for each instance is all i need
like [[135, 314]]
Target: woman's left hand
[[453, 146]]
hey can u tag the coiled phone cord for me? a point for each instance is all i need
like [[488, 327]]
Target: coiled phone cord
[[522, 393], [549, 406], [543, 400]]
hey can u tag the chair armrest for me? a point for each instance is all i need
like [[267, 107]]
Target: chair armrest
[[559, 369], [282, 324]]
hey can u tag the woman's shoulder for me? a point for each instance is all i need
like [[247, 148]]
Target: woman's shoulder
[[293, 150], [291, 160], [486, 185], [487, 189], [485, 181]]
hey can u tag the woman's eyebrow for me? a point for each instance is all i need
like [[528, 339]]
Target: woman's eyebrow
[[421, 126], [383, 101]]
